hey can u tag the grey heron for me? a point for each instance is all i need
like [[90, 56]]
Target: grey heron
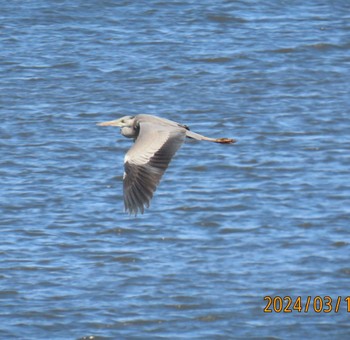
[[156, 141]]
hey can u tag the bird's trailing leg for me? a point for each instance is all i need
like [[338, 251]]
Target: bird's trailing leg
[[197, 136], [225, 140]]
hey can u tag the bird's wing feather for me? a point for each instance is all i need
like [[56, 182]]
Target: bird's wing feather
[[146, 162]]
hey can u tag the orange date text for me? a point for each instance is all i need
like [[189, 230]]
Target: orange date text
[[317, 304]]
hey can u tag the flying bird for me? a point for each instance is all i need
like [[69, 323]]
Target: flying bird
[[156, 141]]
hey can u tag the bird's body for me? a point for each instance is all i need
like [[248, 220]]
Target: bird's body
[[156, 142]]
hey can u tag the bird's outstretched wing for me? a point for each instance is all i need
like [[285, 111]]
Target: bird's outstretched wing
[[147, 160]]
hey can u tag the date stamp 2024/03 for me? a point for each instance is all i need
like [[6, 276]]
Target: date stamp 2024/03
[[318, 304]]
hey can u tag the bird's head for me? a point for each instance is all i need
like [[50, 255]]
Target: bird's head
[[126, 121]]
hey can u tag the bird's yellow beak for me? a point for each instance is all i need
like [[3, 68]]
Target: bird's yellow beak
[[110, 123]]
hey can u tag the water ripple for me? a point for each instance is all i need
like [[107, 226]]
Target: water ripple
[[229, 224]]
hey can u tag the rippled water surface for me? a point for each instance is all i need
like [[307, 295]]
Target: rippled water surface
[[229, 224]]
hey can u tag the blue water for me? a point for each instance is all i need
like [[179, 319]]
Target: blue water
[[229, 224]]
